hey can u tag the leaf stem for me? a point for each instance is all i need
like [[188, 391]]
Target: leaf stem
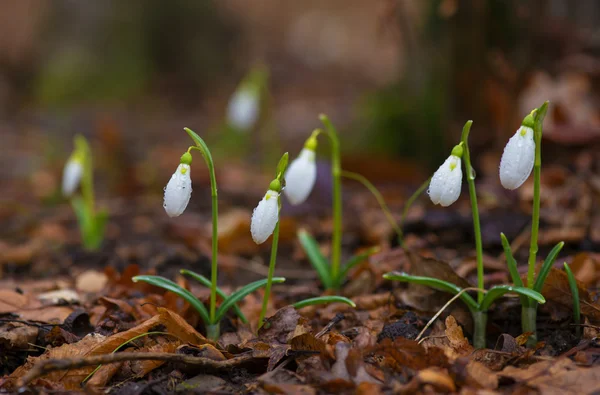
[[474, 208]]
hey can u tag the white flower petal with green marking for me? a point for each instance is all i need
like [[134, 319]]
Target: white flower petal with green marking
[[178, 191], [243, 109], [72, 174], [300, 177], [518, 158], [445, 185], [265, 217]]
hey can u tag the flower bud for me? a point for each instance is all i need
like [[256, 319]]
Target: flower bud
[[178, 191], [265, 217], [518, 158], [445, 185], [72, 174], [300, 177]]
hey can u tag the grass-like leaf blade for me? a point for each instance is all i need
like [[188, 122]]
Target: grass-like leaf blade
[[240, 294], [316, 258], [323, 300], [546, 266], [171, 286], [575, 295], [435, 284], [511, 262], [355, 260], [498, 291], [206, 282]]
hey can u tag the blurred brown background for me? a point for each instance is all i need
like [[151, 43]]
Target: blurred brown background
[[398, 77]]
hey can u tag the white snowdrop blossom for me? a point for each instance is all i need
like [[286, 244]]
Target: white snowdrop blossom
[[72, 174], [518, 158], [444, 188], [243, 109], [300, 177], [265, 217], [178, 191]]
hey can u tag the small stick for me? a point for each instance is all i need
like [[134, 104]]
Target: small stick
[[51, 365], [444, 308]]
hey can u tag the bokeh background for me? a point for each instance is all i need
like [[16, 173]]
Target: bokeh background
[[398, 77]]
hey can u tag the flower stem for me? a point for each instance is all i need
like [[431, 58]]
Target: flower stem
[[336, 169], [474, 208], [203, 148], [274, 244]]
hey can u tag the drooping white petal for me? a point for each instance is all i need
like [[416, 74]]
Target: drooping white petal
[[178, 191], [72, 174], [518, 158], [445, 185], [265, 217], [300, 177], [243, 109]]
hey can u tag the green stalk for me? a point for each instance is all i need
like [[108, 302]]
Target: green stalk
[[375, 192], [203, 148], [87, 179], [274, 244], [474, 208], [479, 323], [336, 170], [535, 218]]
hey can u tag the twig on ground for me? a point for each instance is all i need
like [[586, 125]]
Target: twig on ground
[[334, 321], [418, 339], [51, 365]]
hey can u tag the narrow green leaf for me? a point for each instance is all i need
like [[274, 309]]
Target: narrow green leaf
[[206, 282], [500, 290], [435, 284], [546, 266], [575, 295], [316, 258], [282, 165], [171, 286], [323, 300], [511, 262], [240, 294], [355, 260]]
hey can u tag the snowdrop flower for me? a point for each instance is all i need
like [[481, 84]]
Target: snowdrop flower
[[444, 188], [243, 108], [266, 214], [72, 174], [301, 174], [179, 189], [518, 158]]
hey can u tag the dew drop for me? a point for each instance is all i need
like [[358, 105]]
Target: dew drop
[[473, 174]]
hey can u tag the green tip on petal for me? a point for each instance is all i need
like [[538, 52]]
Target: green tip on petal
[[186, 159], [311, 142], [529, 120], [275, 185], [458, 150]]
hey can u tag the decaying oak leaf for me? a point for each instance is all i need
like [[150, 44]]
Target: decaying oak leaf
[[90, 345], [403, 353], [438, 378], [556, 289], [459, 345], [557, 376]]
